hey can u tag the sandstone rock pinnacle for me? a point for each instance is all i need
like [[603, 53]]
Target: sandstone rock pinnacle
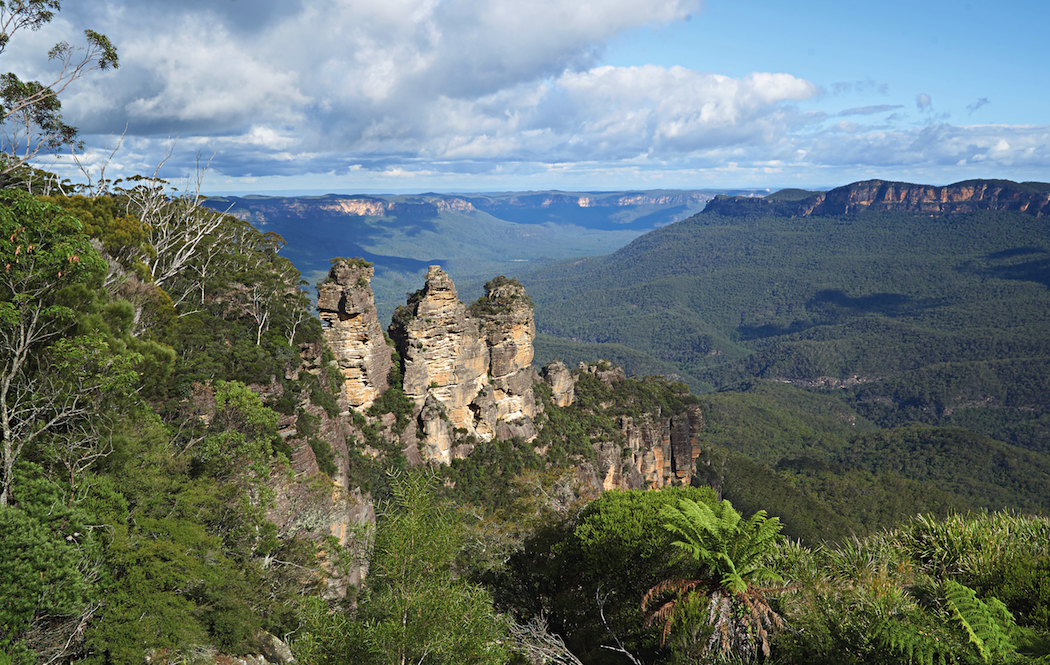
[[351, 328], [475, 363]]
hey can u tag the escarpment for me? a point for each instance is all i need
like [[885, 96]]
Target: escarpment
[[1032, 198], [961, 197]]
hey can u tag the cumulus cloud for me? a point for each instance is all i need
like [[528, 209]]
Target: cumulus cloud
[[331, 85], [402, 87]]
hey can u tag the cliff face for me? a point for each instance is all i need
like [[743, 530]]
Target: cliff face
[[655, 450], [469, 372], [961, 197], [351, 328]]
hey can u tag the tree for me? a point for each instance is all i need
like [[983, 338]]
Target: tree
[[42, 249], [584, 574], [183, 235], [720, 607], [416, 609], [31, 114]]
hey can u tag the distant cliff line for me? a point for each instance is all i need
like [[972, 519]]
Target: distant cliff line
[[962, 197]]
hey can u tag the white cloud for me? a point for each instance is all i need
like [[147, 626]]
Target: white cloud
[[278, 88]]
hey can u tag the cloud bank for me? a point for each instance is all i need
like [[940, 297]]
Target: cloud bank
[[466, 87]]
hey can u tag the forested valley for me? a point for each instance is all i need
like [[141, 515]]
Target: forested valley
[[169, 481], [829, 444]]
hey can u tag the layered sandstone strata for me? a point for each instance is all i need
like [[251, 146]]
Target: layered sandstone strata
[[468, 370], [445, 361], [351, 328]]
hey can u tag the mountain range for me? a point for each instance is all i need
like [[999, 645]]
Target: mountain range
[[475, 236]]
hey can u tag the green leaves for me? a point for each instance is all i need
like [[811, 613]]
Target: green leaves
[[241, 432], [416, 609], [717, 538], [724, 556]]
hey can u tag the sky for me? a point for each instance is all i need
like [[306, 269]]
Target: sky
[[399, 96]]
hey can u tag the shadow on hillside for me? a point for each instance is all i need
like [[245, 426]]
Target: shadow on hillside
[[1005, 264], [412, 218], [832, 306], [749, 333]]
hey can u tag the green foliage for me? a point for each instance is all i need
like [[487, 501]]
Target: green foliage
[[574, 570], [730, 549], [393, 400], [415, 609], [933, 319], [913, 594], [240, 433], [495, 302], [354, 262], [719, 603]]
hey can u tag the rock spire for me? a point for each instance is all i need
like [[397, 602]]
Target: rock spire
[[351, 327]]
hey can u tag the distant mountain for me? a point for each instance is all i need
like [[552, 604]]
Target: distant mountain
[[962, 197], [914, 303], [476, 236]]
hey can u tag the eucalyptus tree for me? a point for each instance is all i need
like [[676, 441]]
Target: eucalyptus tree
[[42, 250], [30, 111]]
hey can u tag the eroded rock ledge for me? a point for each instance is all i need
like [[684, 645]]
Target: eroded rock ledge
[[1032, 198]]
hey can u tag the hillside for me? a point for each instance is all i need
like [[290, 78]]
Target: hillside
[[207, 473], [474, 235], [907, 313]]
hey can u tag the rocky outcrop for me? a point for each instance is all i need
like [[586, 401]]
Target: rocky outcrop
[[508, 326], [351, 328], [445, 361], [1032, 198], [653, 450], [468, 371], [559, 378]]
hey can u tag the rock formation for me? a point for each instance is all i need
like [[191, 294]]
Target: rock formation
[[507, 323], [559, 378], [961, 197], [656, 449], [469, 372], [351, 328]]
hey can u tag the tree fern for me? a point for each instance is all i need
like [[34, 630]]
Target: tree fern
[[987, 624], [727, 555]]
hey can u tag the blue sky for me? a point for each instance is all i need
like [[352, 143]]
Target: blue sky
[[475, 95]]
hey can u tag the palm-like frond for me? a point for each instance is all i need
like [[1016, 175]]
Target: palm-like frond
[[729, 556], [660, 602]]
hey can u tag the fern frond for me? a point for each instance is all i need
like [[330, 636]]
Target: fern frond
[[909, 638], [987, 625]]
